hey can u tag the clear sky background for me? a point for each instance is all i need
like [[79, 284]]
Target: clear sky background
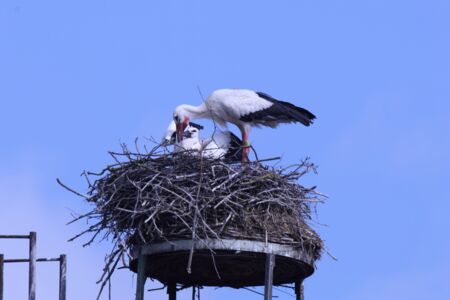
[[79, 77]]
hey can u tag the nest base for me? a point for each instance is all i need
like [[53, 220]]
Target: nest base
[[239, 263]]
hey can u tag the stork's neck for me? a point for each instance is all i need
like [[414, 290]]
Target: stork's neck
[[197, 112]]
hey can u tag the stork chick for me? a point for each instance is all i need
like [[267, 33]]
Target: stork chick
[[222, 145], [190, 142]]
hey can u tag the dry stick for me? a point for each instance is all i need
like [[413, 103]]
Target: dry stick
[[108, 277], [215, 267], [85, 231], [194, 226], [210, 113], [87, 178], [81, 217], [71, 190]]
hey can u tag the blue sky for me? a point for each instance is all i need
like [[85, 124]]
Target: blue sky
[[79, 77]]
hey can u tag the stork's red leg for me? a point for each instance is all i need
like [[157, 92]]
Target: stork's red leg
[[244, 153], [247, 149], [245, 146]]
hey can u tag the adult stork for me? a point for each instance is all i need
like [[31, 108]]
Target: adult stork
[[245, 109]]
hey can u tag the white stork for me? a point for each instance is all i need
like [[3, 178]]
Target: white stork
[[170, 137], [222, 145], [245, 109], [191, 142]]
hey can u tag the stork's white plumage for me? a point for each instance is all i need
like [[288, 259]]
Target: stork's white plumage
[[170, 136], [245, 109], [222, 144], [190, 142]]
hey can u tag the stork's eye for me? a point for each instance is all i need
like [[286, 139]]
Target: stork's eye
[[176, 118]]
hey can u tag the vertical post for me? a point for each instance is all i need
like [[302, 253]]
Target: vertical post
[[1, 276], [32, 268], [299, 295], [270, 264], [141, 276], [62, 276], [172, 291]]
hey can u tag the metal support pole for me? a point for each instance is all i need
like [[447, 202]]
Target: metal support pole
[[62, 276], [141, 277], [268, 282], [172, 291], [32, 268], [299, 295], [1, 276]]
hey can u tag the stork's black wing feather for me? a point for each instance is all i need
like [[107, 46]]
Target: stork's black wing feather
[[198, 126], [279, 112], [234, 152], [173, 138]]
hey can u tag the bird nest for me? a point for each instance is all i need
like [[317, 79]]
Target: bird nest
[[161, 196]]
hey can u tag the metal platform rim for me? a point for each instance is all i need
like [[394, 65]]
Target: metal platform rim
[[227, 245]]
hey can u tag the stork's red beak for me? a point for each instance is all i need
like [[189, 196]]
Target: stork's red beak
[[180, 129], [179, 132]]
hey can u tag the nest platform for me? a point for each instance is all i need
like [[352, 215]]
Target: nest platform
[[224, 263]]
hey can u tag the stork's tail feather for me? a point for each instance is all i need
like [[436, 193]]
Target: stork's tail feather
[[288, 111], [300, 114]]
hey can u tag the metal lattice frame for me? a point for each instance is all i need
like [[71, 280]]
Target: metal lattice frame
[[32, 260]]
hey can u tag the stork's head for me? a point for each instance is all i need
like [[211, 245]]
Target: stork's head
[[191, 132], [181, 118]]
